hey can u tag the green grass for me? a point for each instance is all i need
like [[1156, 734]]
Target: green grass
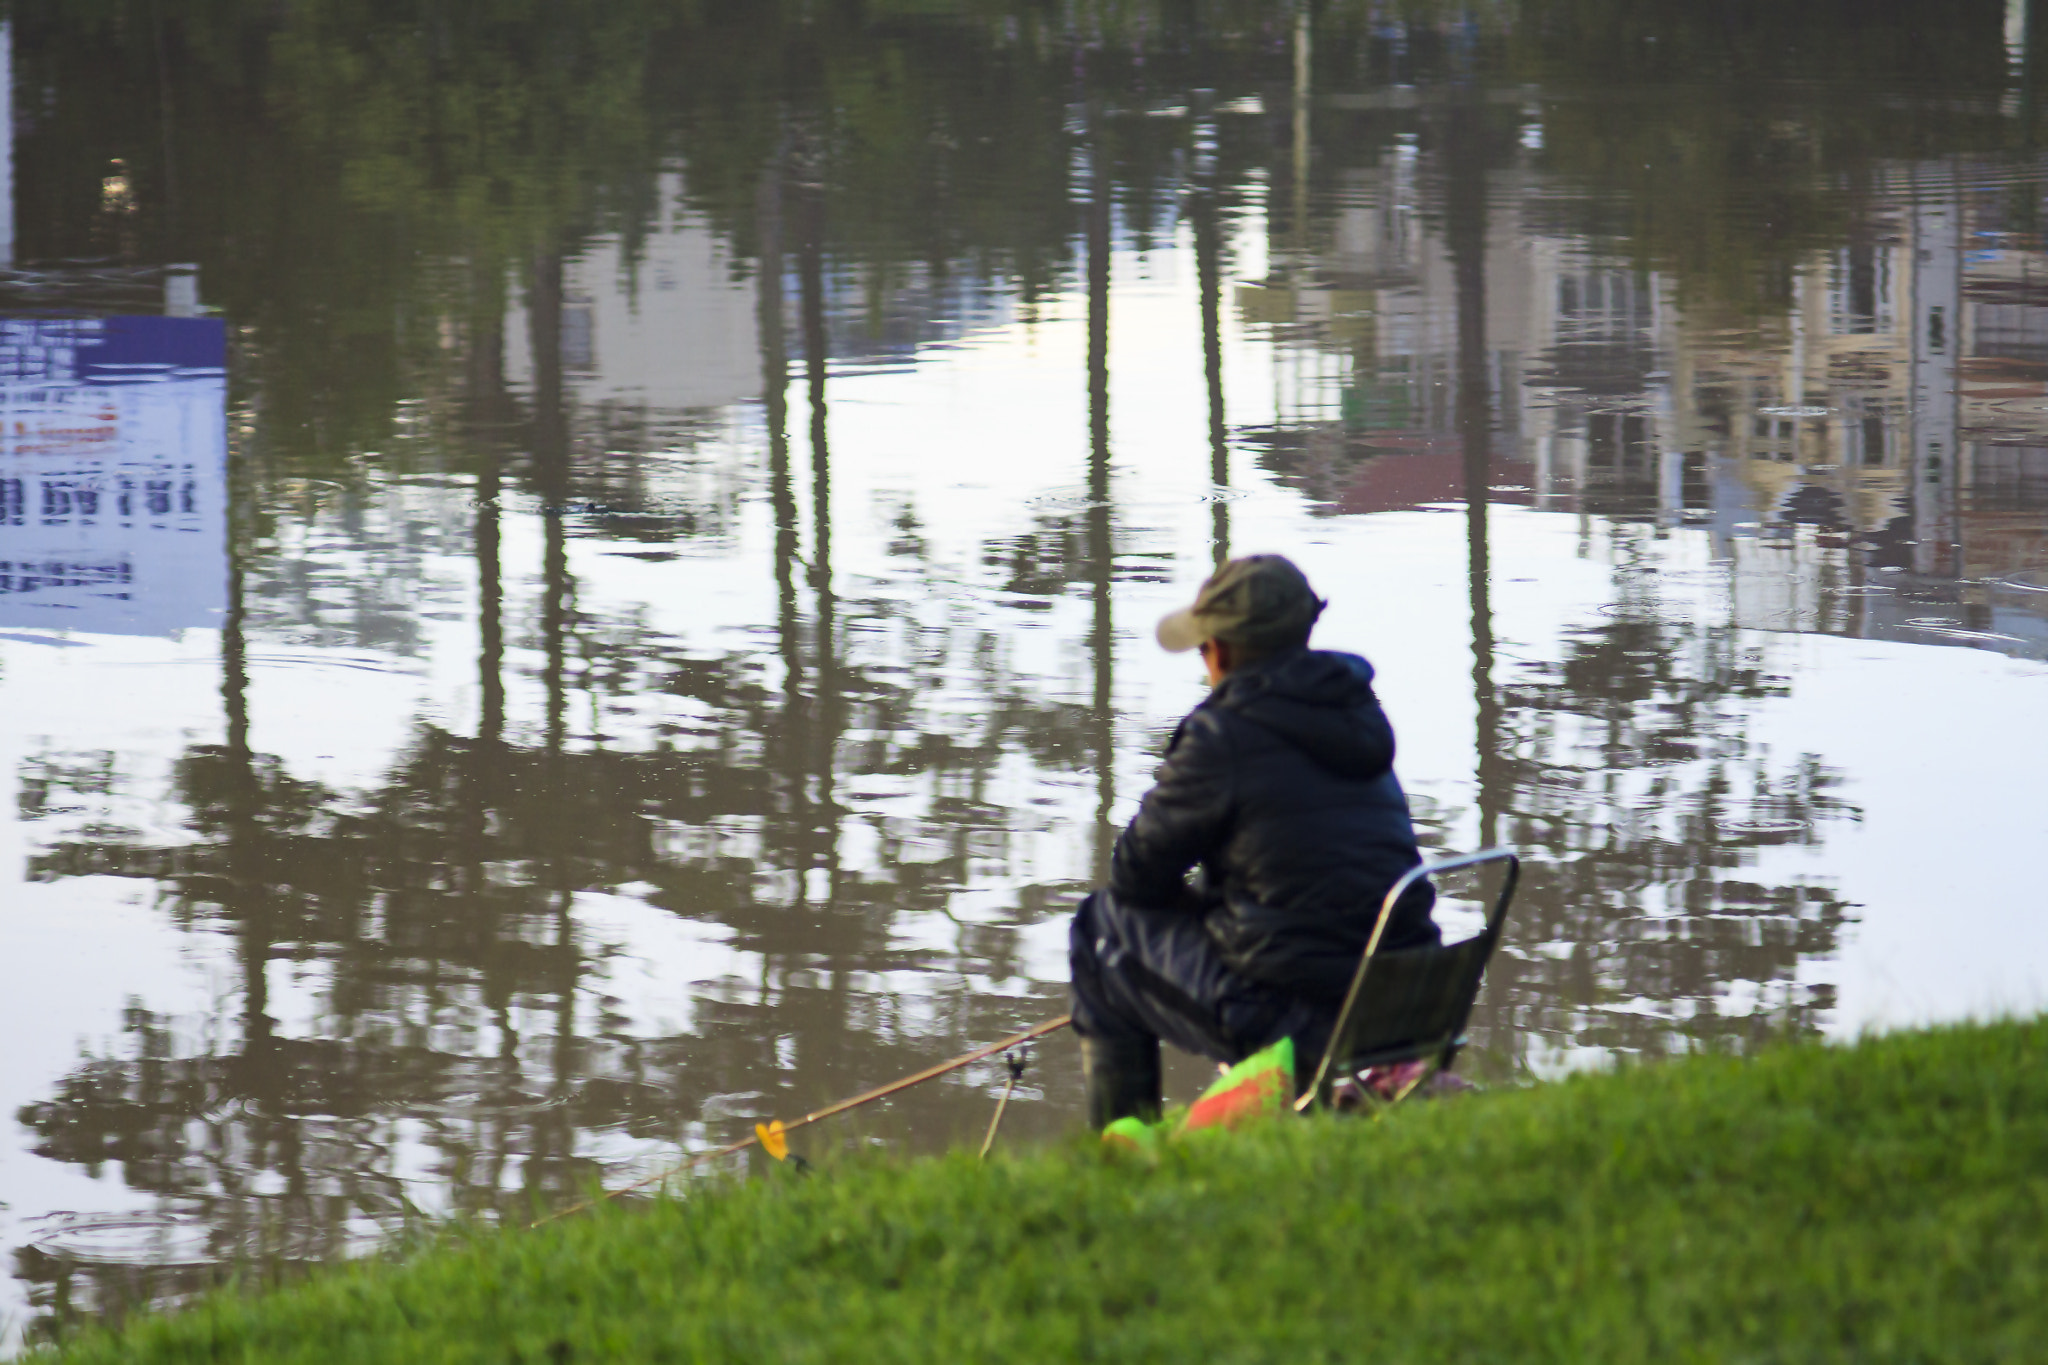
[[1877, 1202]]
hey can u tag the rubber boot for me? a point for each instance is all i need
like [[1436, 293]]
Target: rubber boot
[[1122, 1075]]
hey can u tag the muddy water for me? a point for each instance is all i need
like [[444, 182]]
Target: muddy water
[[570, 585]]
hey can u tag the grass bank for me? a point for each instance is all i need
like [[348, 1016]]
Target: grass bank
[[1886, 1201]]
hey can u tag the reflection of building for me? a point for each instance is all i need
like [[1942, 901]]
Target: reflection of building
[[1847, 466], [1884, 470], [113, 447], [664, 322], [668, 322], [660, 334], [1367, 377], [1873, 462]]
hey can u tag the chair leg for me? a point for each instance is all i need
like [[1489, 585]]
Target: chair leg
[[1358, 1094], [1410, 1086]]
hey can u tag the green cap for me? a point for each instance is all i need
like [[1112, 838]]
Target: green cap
[[1260, 601]]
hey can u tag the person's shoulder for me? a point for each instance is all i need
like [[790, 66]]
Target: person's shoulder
[[1356, 664], [1207, 724]]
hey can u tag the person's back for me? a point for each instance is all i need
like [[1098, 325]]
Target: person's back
[[1279, 787], [1307, 823]]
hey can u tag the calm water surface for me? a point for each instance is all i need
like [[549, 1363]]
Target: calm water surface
[[570, 584]]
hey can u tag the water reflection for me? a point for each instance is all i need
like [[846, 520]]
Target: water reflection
[[111, 430], [695, 508]]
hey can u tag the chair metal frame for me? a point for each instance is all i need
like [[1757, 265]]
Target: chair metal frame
[[1442, 1048]]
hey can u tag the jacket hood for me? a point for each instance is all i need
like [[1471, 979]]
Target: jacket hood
[[1319, 701]]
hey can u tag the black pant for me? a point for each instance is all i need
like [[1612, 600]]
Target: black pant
[[1141, 973]]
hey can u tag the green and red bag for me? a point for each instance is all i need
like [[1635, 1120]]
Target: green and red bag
[[1259, 1086]]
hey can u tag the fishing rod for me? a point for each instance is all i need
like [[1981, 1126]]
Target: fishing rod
[[770, 1136]]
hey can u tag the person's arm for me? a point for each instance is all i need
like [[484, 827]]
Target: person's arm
[[1182, 820]]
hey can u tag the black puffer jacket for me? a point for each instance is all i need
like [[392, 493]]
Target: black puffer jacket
[[1281, 786]]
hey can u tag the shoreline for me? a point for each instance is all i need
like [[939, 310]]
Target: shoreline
[[1874, 1200]]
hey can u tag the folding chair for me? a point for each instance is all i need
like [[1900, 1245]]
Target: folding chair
[[1412, 1005]]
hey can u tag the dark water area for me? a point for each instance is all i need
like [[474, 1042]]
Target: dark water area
[[576, 577]]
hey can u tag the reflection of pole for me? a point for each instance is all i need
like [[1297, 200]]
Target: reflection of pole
[[811, 283], [1209, 280], [253, 1069], [1101, 636], [1937, 342], [2018, 22], [788, 757], [245, 857], [487, 401], [551, 474], [1301, 101], [490, 661], [489, 408], [6, 142], [234, 650], [2023, 72], [775, 404], [486, 383], [163, 94], [1465, 237]]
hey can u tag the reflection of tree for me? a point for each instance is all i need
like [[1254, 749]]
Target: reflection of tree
[[1739, 154], [345, 175], [460, 1011], [1627, 774], [325, 162]]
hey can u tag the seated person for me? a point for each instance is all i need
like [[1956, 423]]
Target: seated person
[[1279, 791]]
